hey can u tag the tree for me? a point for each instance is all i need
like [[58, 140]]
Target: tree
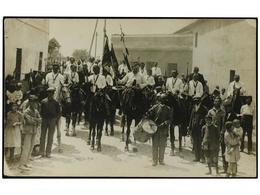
[[54, 55], [80, 54], [53, 45]]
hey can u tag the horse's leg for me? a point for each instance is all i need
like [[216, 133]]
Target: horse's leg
[[93, 136], [106, 125], [90, 134], [74, 120], [112, 120], [99, 134], [180, 137], [67, 123], [128, 131], [123, 127]]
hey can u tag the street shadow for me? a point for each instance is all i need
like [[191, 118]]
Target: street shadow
[[68, 150], [111, 151]]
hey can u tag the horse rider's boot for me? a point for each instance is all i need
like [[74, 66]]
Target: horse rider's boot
[[74, 131]]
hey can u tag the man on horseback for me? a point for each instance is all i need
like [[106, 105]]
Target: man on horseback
[[174, 86], [56, 80], [133, 99], [97, 104], [236, 85]]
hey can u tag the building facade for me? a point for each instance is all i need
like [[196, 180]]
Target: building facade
[[223, 48], [26, 45], [169, 51]]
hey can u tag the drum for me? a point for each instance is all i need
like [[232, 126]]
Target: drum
[[144, 130]]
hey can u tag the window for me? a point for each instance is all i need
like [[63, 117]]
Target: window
[[171, 67], [196, 39]]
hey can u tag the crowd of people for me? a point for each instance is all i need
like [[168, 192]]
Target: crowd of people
[[211, 128]]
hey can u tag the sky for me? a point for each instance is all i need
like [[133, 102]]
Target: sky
[[77, 33]]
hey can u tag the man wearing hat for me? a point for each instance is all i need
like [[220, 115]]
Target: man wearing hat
[[56, 80], [195, 87], [161, 114], [50, 112], [174, 84], [218, 118], [32, 120], [197, 121], [134, 78], [236, 85], [73, 77]]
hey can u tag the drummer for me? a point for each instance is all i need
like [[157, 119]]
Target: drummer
[[161, 115]]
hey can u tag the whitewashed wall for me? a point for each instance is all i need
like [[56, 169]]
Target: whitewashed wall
[[32, 36]]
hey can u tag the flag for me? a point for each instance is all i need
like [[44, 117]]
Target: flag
[[127, 62], [106, 54], [114, 59]]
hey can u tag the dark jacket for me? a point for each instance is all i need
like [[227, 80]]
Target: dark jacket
[[197, 120], [161, 115], [50, 109]]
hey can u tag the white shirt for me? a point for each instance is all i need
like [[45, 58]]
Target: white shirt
[[156, 71], [247, 110], [90, 65], [109, 80], [98, 81], [56, 81], [130, 77], [123, 68], [73, 77], [237, 85], [143, 72], [150, 80], [67, 69], [174, 84], [195, 89]]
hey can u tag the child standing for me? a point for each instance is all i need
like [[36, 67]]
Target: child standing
[[18, 93], [32, 121], [232, 141], [210, 143], [14, 121]]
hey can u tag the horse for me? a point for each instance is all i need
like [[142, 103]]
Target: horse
[[71, 105], [135, 105], [113, 103], [181, 109], [97, 113]]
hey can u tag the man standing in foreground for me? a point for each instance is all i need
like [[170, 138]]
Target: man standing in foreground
[[50, 111], [56, 80]]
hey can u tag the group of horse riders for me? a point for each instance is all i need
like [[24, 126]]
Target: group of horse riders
[[99, 90]]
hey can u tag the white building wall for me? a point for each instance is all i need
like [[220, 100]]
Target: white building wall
[[32, 35], [231, 47]]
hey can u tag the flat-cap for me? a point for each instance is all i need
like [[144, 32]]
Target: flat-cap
[[51, 89]]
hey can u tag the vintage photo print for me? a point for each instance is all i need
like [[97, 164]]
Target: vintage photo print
[[129, 97]]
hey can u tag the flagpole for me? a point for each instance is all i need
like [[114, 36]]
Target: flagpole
[[93, 36], [105, 32], [96, 44]]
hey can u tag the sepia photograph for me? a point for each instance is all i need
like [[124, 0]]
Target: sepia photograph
[[105, 97]]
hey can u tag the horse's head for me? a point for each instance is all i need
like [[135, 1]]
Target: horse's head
[[65, 94]]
